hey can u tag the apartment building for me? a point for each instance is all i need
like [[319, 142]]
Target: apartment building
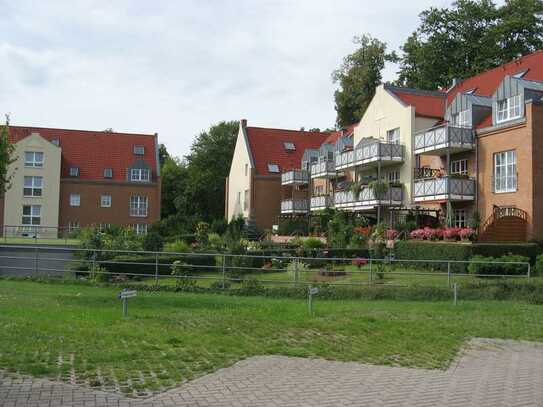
[[67, 179], [253, 187]]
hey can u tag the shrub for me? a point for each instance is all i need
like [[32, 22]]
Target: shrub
[[215, 242], [530, 250], [442, 251], [179, 246], [359, 262], [181, 272], [297, 267], [498, 266], [145, 264], [312, 243], [153, 241], [202, 230], [219, 226], [539, 265]]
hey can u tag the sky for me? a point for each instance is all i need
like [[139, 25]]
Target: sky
[[177, 67]]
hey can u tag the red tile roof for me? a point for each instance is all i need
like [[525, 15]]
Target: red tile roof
[[266, 146], [92, 151], [426, 103], [486, 83]]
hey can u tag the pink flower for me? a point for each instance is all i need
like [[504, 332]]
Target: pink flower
[[359, 262], [467, 233], [391, 234], [451, 233]]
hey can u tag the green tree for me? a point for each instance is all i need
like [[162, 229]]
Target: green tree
[[163, 154], [6, 158], [357, 77], [174, 182], [468, 38]]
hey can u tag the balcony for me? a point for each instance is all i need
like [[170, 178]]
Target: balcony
[[445, 138], [295, 177], [443, 189], [371, 153], [323, 169], [294, 206], [366, 199], [321, 202]]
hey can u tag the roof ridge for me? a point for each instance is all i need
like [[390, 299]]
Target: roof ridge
[[85, 131], [291, 130], [415, 91]]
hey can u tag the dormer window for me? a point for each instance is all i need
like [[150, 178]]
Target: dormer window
[[139, 150], [470, 91], [289, 146], [508, 109], [74, 171], [393, 136], [274, 168], [461, 119], [140, 175], [108, 172], [520, 74], [56, 142]]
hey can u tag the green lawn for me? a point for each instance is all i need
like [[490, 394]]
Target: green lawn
[[63, 330]]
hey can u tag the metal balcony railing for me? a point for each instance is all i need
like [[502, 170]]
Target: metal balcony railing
[[294, 206], [371, 152], [323, 168], [321, 202], [295, 177], [444, 188], [367, 198], [444, 137]]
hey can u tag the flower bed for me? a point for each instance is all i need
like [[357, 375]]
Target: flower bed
[[443, 234]]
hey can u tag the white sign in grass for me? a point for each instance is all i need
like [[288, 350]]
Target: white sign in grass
[[125, 295]]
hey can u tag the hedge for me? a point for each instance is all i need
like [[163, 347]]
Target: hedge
[[498, 265], [530, 250]]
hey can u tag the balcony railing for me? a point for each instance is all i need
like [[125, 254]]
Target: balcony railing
[[444, 188], [367, 199], [371, 152], [321, 202], [440, 138], [294, 177], [322, 169], [294, 206]]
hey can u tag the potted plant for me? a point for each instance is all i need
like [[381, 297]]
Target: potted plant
[[379, 188]]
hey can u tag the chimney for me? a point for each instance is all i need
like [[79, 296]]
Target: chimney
[[243, 123]]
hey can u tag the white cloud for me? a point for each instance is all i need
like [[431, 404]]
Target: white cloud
[[177, 67]]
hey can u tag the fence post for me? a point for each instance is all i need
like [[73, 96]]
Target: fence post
[[93, 266], [529, 270], [36, 261], [223, 270], [370, 276], [449, 274], [455, 288], [156, 268], [296, 272]]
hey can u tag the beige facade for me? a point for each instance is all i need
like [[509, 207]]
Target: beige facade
[[46, 174], [239, 181]]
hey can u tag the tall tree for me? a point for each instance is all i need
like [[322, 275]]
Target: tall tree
[[468, 38], [208, 165], [357, 77], [6, 157], [174, 183]]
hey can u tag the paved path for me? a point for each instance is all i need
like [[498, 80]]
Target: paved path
[[487, 373]]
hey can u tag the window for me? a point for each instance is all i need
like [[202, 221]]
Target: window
[[139, 150], [105, 201], [31, 215], [246, 169], [140, 228], [508, 109], [459, 218], [75, 199], [246, 200], [33, 186], [273, 168], [289, 146], [505, 171], [319, 190], [470, 91], [138, 205], [33, 159], [74, 171], [462, 118], [239, 197], [393, 136], [104, 226], [108, 172], [520, 74], [56, 142], [73, 226], [139, 174], [394, 177], [459, 167]]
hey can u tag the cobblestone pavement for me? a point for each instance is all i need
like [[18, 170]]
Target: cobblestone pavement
[[487, 373]]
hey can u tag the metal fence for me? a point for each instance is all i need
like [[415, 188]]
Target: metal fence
[[223, 269]]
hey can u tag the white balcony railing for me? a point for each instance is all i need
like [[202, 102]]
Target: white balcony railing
[[367, 199], [294, 206], [443, 137], [321, 202], [444, 188], [294, 177], [325, 168], [370, 152]]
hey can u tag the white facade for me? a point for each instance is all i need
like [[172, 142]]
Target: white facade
[[239, 178]]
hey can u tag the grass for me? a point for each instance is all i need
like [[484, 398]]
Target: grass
[[76, 333], [31, 241]]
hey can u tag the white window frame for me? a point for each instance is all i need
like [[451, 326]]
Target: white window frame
[[505, 171], [459, 167], [393, 177], [74, 171], [274, 168], [246, 200], [289, 146], [139, 150], [140, 175], [105, 201], [75, 199], [32, 186], [508, 109], [139, 206], [104, 226], [33, 217], [460, 218], [393, 136], [73, 226], [140, 228], [34, 159], [462, 118], [108, 172]]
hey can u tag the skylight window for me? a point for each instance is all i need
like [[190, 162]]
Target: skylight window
[[289, 145], [470, 91], [520, 74], [273, 168]]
